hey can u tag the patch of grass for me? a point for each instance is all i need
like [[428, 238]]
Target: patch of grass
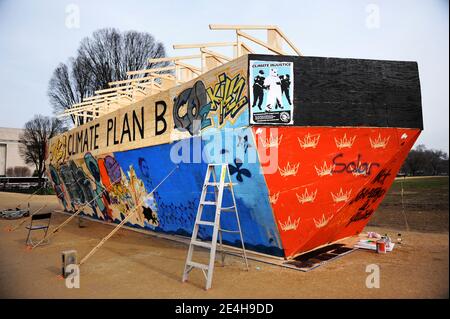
[[425, 203], [429, 183], [31, 190]]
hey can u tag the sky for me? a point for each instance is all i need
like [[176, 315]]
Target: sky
[[35, 36]]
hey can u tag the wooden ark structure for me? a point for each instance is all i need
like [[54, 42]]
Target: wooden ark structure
[[312, 143]]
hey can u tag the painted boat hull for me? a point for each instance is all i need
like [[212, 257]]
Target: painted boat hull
[[298, 186]]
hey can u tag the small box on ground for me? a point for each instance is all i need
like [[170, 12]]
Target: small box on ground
[[69, 257]]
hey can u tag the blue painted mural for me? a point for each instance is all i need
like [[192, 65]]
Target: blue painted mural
[[176, 200]]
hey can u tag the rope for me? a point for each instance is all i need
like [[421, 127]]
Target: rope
[[131, 213], [403, 208], [79, 210]]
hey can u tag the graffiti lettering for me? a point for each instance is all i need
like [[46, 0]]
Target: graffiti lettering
[[363, 212], [369, 193], [227, 97], [58, 151], [381, 176], [356, 167], [189, 106], [370, 196]]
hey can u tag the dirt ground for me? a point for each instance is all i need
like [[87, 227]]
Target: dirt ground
[[136, 265], [425, 201]]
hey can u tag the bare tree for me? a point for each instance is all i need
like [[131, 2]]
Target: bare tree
[[436, 160], [104, 57], [423, 161], [33, 141]]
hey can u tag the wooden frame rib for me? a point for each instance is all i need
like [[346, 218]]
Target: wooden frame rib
[[125, 92]]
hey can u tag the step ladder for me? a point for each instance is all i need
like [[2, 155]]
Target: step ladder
[[219, 187]]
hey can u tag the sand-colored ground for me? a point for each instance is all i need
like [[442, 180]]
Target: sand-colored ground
[[136, 265]]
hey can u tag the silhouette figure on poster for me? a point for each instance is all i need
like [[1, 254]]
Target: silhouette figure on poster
[[285, 85], [258, 89], [273, 84]]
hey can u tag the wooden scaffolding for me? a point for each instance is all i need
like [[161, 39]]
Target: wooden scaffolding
[[146, 82]]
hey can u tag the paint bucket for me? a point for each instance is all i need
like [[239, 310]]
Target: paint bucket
[[381, 246]]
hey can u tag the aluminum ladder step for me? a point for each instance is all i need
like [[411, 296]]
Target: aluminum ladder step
[[217, 184], [197, 265], [208, 203], [201, 244], [229, 231], [203, 222]]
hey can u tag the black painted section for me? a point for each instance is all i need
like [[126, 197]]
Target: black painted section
[[354, 92]]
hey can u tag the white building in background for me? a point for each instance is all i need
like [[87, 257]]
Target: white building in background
[[9, 149]]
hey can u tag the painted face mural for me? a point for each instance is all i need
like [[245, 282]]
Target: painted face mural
[[59, 188], [101, 198]]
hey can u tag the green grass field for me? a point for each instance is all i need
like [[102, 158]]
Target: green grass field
[[425, 201]]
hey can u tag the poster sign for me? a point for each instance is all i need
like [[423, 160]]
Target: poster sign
[[271, 92]]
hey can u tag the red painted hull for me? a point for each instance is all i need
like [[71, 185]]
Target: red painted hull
[[330, 180]]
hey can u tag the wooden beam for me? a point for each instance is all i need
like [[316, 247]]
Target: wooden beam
[[85, 103], [211, 62], [262, 43], [152, 70], [203, 45], [145, 78], [89, 108], [190, 67], [94, 97], [115, 89], [216, 55], [289, 41], [246, 48], [175, 58], [274, 39]]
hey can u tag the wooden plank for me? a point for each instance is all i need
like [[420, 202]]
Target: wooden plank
[[245, 48], [189, 67], [94, 97], [216, 55], [151, 70], [262, 43], [274, 39], [114, 89], [175, 58], [203, 45], [292, 45]]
